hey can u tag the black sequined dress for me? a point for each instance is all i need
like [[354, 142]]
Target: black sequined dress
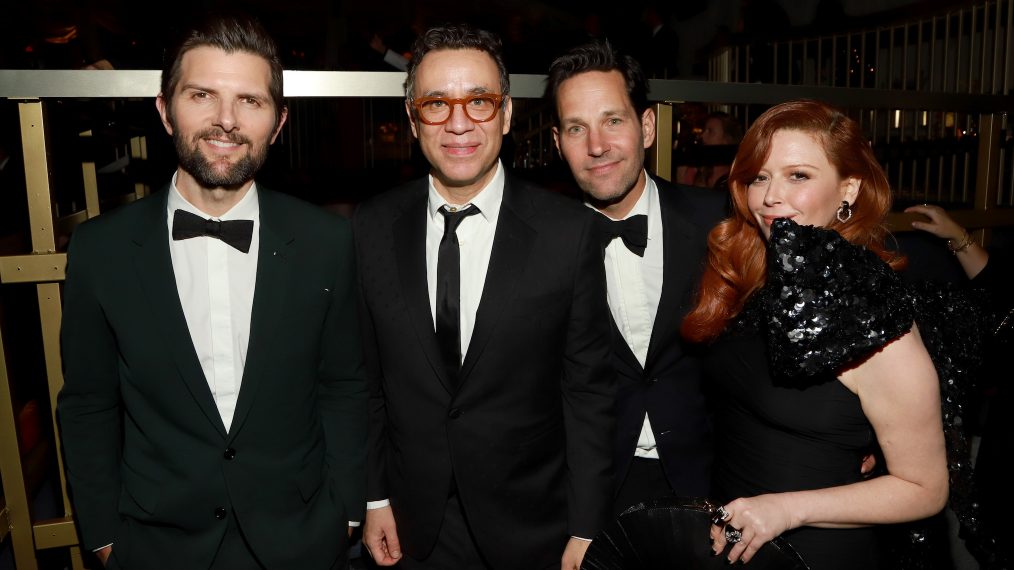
[[783, 420]]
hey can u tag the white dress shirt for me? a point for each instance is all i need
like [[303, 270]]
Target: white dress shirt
[[215, 282], [634, 287], [475, 244]]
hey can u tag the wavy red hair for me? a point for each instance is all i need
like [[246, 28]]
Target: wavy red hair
[[736, 263]]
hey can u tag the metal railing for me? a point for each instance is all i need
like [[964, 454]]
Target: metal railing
[[925, 150]]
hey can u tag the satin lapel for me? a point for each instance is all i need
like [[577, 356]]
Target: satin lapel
[[680, 242], [155, 272], [410, 255], [268, 308], [512, 244]]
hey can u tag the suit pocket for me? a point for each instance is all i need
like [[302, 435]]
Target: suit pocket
[[138, 494], [309, 481]]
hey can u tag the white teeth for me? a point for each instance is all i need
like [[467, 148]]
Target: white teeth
[[223, 144]]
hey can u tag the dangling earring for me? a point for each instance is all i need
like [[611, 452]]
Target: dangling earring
[[844, 212]]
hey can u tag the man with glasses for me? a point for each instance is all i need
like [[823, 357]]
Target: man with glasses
[[487, 340]]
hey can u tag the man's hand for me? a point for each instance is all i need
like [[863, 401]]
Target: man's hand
[[381, 537], [574, 554], [104, 553]]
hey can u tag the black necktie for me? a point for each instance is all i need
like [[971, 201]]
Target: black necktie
[[633, 231], [236, 233], [449, 290]]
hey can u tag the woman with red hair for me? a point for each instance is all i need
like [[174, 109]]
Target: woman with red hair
[[814, 354]]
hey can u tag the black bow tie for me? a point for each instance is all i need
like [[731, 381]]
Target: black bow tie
[[633, 230], [236, 233]]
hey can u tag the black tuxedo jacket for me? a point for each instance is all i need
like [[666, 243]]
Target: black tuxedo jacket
[[150, 464], [525, 436], [669, 388]]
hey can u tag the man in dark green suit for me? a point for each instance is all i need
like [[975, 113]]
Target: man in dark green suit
[[214, 410]]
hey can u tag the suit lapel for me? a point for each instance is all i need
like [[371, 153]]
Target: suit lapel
[[267, 311], [622, 348], [680, 243], [155, 272], [512, 245], [410, 257]]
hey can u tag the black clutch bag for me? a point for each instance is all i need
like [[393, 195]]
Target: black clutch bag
[[672, 533]]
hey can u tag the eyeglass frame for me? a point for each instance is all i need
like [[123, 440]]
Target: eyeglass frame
[[497, 98]]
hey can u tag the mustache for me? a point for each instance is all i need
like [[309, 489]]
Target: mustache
[[217, 133]]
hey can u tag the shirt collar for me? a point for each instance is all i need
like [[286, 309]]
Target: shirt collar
[[488, 199], [246, 209]]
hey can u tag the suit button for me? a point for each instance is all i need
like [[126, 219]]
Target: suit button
[[455, 413], [654, 380], [229, 454], [220, 513]]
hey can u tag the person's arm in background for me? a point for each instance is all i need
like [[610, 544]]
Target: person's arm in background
[[970, 254], [391, 57]]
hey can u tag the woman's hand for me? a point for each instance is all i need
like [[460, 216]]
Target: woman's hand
[[940, 223], [758, 520]]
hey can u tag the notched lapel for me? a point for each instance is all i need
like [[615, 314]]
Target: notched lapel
[[410, 256], [267, 311], [155, 272]]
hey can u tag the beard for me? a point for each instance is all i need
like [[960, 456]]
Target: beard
[[235, 175]]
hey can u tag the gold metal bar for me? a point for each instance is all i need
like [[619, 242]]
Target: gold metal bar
[[139, 151], [13, 479], [91, 189], [33, 144], [50, 317], [988, 167], [54, 533], [660, 154], [76, 561], [40, 268]]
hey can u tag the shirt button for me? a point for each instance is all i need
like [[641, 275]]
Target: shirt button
[[220, 513], [229, 454], [455, 413]]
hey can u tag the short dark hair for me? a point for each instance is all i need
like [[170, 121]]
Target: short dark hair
[[457, 36], [598, 55], [231, 32]]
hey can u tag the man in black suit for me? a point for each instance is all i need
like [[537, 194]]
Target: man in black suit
[[654, 235], [214, 410], [486, 338]]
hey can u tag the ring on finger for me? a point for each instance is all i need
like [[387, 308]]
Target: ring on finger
[[721, 516], [733, 535]]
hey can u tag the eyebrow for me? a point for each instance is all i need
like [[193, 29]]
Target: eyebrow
[[472, 91], [603, 115], [251, 95]]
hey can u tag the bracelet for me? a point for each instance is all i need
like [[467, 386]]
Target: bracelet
[[961, 244]]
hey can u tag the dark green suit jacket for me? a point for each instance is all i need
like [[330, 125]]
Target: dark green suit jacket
[[150, 464]]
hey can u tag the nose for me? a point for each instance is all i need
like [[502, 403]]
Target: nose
[[597, 143], [458, 123], [773, 193], [226, 117]]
